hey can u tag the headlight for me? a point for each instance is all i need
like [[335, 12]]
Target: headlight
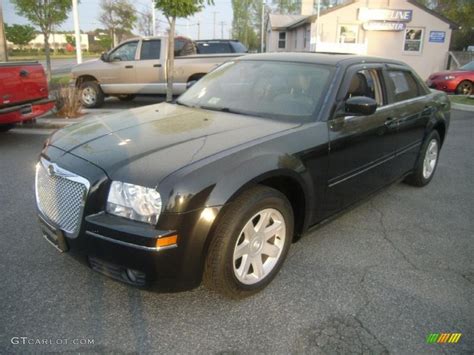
[[449, 77], [134, 202]]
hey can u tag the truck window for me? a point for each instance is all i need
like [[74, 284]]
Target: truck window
[[214, 47], [150, 49], [125, 52], [402, 85]]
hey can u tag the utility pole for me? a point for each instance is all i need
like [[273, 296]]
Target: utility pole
[[214, 27], [222, 29], [77, 31], [3, 41], [199, 29], [262, 31], [153, 17]]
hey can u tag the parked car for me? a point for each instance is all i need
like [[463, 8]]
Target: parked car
[[23, 93], [218, 185], [458, 81], [137, 66], [210, 46]]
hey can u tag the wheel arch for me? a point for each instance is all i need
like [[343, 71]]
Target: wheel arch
[[84, 78], [195, 76]]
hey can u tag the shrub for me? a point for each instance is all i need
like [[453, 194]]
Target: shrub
[[68, 103]]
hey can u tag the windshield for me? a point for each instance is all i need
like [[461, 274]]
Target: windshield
[[262, 88], [468, 66]]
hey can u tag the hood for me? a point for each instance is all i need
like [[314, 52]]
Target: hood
[[153, 141], [93, 63]]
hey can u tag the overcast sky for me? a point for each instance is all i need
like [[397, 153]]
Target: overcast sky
[[89, 12]]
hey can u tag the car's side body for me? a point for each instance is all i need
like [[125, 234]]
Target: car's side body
[[452, 81], [323, 166], [142, 68]]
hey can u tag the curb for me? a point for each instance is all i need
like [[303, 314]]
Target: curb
[[462, 107]]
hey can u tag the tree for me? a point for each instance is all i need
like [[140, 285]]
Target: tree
[[118, 16], [246, 22], [45, 14], [287, 6], [145, 23], [173, 9], [20, 35]]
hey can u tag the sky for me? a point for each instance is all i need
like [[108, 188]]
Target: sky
[[89, 13]]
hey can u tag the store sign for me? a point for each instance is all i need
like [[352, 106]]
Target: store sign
[[366, 14], [383, 26], [437, 36]]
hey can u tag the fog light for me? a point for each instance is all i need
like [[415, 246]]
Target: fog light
[[131, 275]]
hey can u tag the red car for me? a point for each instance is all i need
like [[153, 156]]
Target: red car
[[23, 93], [458, 81]]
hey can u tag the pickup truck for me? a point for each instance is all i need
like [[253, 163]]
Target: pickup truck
[[23, 93], [137, 66]]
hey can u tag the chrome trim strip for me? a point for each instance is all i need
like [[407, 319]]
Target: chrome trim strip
[[131, 245], [66, 174]]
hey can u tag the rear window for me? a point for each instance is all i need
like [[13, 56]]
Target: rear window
[[210, 48], [403, 85], [150, 50]]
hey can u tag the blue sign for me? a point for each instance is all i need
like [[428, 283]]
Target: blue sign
[[437, 36]]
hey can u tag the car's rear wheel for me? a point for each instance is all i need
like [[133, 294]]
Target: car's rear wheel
[[250, 243], [6, 127], [427, 161], [464, 88], [91, 94], [126, 97]]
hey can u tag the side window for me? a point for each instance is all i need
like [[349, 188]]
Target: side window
[[125, 52], [366, 83], [150, 50], [402, 85]]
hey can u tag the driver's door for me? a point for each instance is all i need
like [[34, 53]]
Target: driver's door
[[119, 73], [361, 147]]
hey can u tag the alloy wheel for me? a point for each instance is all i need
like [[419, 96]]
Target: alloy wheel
[[431, 156], [89, 96], [259, 246]]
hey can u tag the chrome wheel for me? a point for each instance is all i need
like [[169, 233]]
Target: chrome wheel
[[89, 96], [431, 156], [259, 246], [465, 88]]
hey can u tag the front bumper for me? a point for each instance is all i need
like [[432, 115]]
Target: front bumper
[[27, 111]]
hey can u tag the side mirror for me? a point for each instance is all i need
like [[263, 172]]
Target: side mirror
[[104, 57], [116, 59], [360, 106], [190, 83]]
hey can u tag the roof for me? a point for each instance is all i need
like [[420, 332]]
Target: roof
[[283, 21], [318, 58]]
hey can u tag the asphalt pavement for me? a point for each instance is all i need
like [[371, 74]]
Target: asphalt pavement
[[379, 279]]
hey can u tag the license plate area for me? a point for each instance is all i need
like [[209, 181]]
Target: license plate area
[[54, 236], [26, 110]]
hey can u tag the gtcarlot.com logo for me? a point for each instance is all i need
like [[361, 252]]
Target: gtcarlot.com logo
[[51, 341], [443, 338]]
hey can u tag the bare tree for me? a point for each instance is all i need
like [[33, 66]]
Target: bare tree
[[145, 23], [118, 16]]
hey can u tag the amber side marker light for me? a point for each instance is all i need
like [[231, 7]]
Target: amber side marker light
[[167, 241]]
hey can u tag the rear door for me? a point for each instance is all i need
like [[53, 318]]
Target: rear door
[[412, 109], [361, 147], [149, 67]]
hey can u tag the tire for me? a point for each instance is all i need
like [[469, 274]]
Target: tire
[[125, 97], [464, 88], [92, 95], [236, 276], [425, 167], [6, 127]]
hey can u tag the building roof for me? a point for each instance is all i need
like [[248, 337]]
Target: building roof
[[283, 21]]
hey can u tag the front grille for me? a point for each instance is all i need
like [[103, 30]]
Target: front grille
[[60, 195]]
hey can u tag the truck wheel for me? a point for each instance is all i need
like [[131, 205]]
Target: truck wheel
[[126, 97], [427, 161], [6, 127], [91, 94], [250, 243], [464, 88]]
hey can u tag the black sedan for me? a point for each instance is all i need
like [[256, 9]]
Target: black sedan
[[217, 186]]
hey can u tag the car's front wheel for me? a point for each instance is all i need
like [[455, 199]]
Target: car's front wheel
[[427, 161], [250, 243], [91, 94]]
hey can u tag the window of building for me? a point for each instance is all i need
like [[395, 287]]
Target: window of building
[[150, 50], [307, 34], [403, 85], [413, 41], [347, 33], [282, 40]]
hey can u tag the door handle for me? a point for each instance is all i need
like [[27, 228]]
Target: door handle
[[157, 65], [389, 121], [24, 72], [128, 66]]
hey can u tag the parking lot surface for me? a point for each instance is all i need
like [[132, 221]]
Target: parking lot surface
[[379, 279]]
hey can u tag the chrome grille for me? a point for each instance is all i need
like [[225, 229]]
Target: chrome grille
[[60, 195]]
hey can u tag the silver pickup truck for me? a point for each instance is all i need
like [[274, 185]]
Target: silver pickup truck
[[137, 66]]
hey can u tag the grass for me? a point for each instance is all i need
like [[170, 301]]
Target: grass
[[60, 80], [459, 99]]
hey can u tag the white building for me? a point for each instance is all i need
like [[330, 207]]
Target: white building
[[56, 41], [396, 29]]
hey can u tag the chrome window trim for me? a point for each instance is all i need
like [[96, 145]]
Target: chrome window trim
[[53, 168], [127, 244]]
